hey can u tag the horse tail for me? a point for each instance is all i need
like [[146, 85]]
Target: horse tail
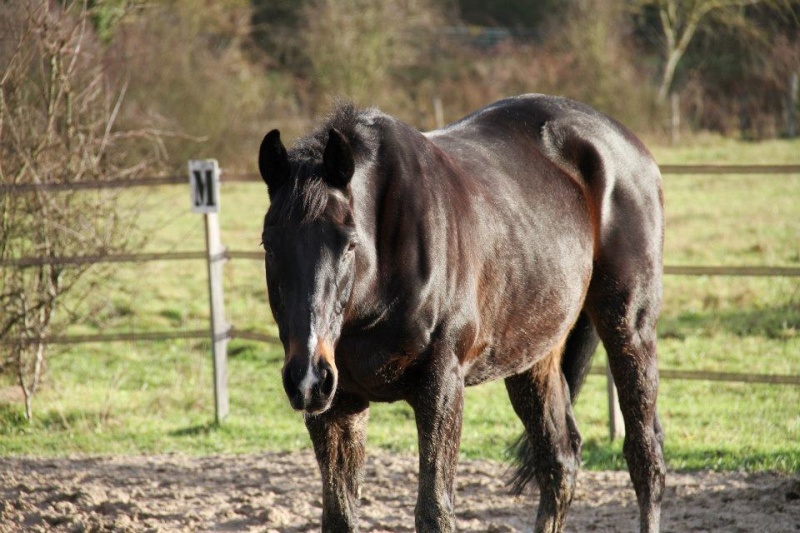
[[581, 344]]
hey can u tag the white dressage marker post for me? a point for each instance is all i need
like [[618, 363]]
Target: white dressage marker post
[[204, 184]]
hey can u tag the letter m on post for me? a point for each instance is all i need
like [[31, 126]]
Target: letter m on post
[[204, 184]]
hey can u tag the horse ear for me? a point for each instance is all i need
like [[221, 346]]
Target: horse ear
[[337, 160], [273, 161]]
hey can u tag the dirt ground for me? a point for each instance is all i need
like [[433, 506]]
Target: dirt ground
[[281, 492]]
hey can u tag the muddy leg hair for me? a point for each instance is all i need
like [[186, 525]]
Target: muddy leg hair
[[438, 409], [626, 323], [549, 450], [339, 437]]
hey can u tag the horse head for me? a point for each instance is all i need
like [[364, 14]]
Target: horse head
[[310, 239]]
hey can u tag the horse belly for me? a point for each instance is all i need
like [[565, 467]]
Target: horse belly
[[514, 352], [527, 312]]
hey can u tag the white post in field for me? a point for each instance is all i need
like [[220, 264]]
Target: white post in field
[[438, 112], [204, 183]]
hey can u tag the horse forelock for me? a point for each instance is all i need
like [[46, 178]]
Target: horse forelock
[[300, 201]]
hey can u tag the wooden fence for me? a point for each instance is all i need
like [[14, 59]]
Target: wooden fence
[[615, 426]]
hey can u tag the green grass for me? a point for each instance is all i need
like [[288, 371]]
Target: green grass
[[155, 397]]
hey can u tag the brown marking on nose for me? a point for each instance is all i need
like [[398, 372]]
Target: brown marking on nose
[[326, 352], [294, 347]]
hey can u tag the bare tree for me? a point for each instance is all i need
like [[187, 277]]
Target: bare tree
[[681, 19], [57, 126]]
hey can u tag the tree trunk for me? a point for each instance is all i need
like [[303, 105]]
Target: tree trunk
[[668, 74], [791, 106], [675, 117]]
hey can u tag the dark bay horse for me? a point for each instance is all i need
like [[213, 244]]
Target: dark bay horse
[[405, 266]]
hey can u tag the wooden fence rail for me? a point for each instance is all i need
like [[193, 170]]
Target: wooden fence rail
[[147, 336], [729, 169], [698, 170], [115, 184], [673, 270], [762, 271], [728, 377]]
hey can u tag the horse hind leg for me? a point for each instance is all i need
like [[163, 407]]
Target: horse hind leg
[[624, 312], [549, 450]]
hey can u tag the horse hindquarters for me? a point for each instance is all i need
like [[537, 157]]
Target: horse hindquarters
[[623, 301]]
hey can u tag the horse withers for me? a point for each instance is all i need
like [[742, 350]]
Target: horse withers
[[405, 266]]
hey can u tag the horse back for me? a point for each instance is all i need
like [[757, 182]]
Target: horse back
[[540, 137], [562, 182]]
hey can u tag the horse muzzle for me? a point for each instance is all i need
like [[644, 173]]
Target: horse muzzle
[[310, 379]]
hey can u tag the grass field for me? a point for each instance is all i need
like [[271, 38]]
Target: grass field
[[144, 397]]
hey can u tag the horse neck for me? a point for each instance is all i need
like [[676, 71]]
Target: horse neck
[[386, 194]]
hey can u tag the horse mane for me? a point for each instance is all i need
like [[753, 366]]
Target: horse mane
[[352, 122], [306, 197]]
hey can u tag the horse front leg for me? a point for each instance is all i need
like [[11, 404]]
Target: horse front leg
[[339, 437], [438, 409]]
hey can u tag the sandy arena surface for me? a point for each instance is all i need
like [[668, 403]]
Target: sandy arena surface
[[281, 492]]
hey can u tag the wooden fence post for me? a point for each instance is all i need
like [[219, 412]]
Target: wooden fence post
[[674, 117], [438, 112], [616, 426], [204, 181], [791, 105], [220, 329]]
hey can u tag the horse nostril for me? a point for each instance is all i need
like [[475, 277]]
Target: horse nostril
[[327, 381], [290, 386]]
